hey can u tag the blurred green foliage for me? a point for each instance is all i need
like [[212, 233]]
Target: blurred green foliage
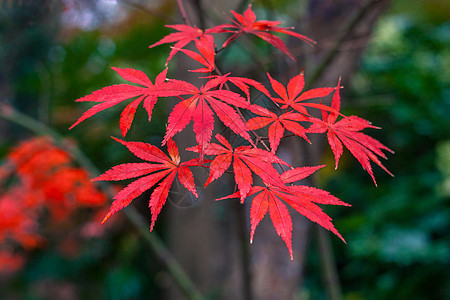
[[398, 234], [45, 73]]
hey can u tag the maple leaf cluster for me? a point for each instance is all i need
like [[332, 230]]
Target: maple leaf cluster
[[37, 177], [214, 101]]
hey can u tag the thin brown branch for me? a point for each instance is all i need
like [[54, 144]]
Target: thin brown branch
[[183, 12], [332, 53], [200, 13]]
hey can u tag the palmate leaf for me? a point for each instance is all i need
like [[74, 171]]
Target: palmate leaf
[[246, 159], [244, 84], [347, 131], [184, 36], [278, 124], [271, 199], [200, 107], [247, 23], [293, 96], [162, 168], [205, 54], [115, 94]]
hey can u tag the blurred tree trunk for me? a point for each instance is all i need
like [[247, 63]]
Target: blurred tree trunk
[[275, 276], [205, 239], [204, 236]]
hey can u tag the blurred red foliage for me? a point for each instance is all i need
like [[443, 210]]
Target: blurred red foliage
[[38, 178]]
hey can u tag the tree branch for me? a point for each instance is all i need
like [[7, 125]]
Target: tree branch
[[331, 54], [247, 291], [329, 273], [183, 12]]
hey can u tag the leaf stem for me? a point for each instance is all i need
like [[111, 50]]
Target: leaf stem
[[8, 113]]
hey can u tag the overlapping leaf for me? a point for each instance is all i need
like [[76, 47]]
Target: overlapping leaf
[[199, 107], [292, 97], [184, 36], [115, 94], [278, 124], [347, 131], [161, 168], [244, 84], [301, 198], [245, 160], [205, 54]]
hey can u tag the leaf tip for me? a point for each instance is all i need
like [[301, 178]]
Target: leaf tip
[[106, 218], [373, 178], [117, 140]]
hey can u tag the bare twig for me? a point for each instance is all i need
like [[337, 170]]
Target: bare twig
[[183, 12], [200, 13], [331, 54]]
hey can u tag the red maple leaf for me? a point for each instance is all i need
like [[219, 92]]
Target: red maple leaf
[[199, 107], [301, 198], [244, 84], [245, 160], [205, 56], [246, 23], [347, 131], [278, 124], [114, 94], [184, 36], [292, 98], [162, 167]]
